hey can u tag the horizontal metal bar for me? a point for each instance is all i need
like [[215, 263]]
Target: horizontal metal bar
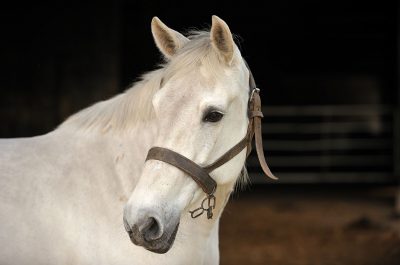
[[316, 177], [328, 110], [326, 127], [327, 144], [324, 161]]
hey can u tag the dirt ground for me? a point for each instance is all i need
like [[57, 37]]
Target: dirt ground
[[311, 225]]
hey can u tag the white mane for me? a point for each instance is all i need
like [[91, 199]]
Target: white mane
[[134, 105], [122, 111]]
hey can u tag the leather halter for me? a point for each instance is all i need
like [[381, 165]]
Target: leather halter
[[201, 175]]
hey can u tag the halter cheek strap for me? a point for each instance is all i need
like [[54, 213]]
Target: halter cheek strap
[[201, 174]]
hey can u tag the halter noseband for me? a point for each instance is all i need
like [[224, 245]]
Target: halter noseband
[[201, 175]]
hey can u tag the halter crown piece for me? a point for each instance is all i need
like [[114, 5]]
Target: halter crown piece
[[201, 174]]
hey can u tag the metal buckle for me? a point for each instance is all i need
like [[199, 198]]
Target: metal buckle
[[255, 90]]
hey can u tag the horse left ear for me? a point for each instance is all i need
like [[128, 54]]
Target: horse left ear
[[167, 40], [222, 40]]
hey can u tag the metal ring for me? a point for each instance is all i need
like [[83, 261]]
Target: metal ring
[[255, 90]]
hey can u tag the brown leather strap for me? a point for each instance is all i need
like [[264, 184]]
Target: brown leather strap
[[255, 115], [231, 153], [175, 159], [258, 136], [254, 129]]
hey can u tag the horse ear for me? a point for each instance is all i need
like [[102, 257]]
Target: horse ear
[[167, 40], [222, 40]]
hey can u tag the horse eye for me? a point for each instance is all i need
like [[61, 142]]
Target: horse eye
[[213, 116]]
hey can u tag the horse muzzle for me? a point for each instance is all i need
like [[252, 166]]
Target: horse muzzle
[[150, 232]]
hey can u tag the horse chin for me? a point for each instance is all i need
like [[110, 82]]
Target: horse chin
[[159, 246]]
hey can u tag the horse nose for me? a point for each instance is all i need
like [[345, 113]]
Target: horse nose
[[148, 229]]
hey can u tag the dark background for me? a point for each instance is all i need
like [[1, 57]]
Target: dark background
[[328, 71]]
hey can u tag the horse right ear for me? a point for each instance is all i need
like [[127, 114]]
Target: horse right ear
[[167, 40], [222, 40]]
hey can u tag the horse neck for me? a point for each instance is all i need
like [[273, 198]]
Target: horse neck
[[123, 128]]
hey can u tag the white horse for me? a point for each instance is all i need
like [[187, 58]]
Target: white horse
[[62, 194]]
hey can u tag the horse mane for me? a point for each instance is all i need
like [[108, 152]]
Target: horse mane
[[134, 105], [122, 111]]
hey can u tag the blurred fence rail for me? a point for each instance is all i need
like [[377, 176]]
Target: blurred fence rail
[[328, 143]]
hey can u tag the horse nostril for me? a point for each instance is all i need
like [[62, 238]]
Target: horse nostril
[[127, 227], [151, 229]]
